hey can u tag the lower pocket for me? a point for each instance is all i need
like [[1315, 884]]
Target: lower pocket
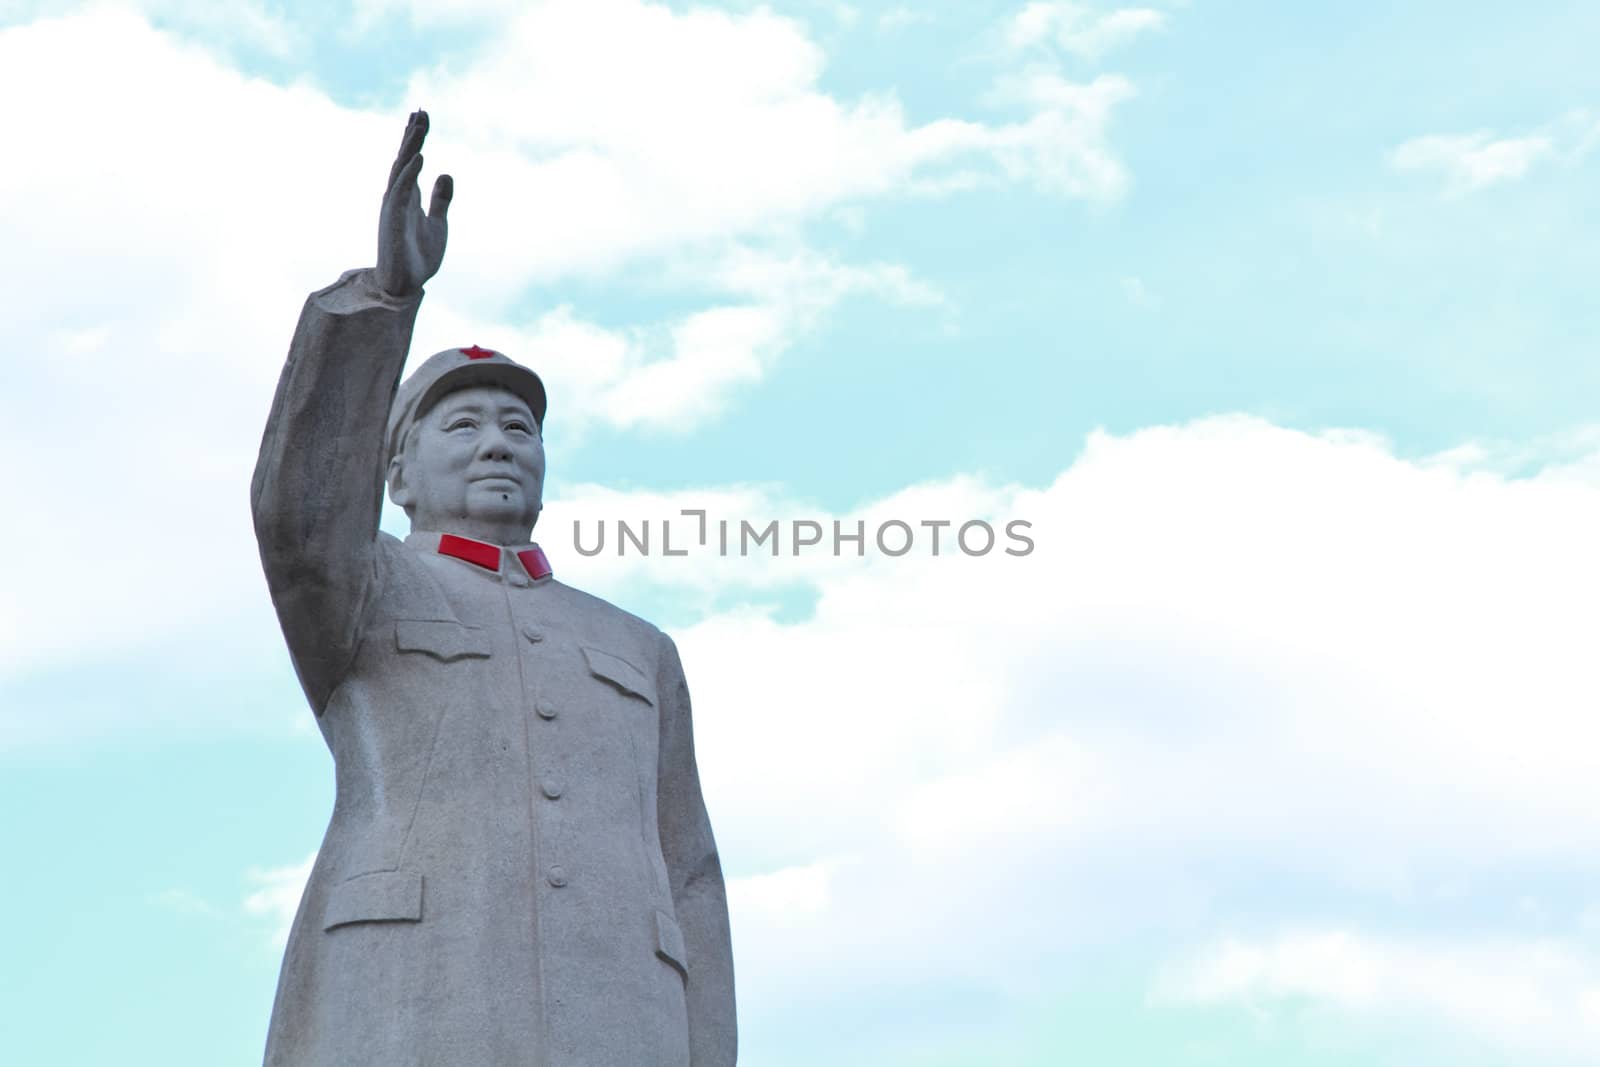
[[379, 896], [669, 942]]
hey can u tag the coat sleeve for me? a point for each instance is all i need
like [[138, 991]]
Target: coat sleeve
[[318, 484], [695, 875]]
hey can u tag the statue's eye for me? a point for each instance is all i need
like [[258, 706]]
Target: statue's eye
[[462, 423], [518, 425]]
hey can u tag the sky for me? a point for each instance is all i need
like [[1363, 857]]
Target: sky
[[1273, 323]]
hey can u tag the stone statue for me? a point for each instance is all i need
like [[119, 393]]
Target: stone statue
[[519, 868]]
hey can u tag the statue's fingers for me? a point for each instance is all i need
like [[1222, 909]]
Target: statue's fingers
[[444, 187], [406, 180], [410, 142]]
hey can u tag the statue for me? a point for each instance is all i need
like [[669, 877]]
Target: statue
[[519, 868]]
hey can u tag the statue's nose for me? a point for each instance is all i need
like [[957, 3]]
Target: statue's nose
[[493, 444]]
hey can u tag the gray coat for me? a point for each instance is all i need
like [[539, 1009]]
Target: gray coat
[[519, 868]]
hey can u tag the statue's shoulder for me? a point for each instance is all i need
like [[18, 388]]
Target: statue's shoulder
[[395, 562], [601, 624], [404, 583]]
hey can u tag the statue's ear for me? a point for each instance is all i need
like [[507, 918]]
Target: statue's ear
[[399, 491]]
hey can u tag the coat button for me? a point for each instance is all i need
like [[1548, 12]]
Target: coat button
[[545, 709], [557, 876], [551, 788], [532, 634]]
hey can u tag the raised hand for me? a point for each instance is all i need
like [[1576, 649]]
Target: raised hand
[[411, 244]]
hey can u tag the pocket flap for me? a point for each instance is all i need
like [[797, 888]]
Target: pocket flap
[[620, 673], [382, 896], [443, 639], [669, 942]]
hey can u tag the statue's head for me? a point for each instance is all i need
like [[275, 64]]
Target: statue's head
[[466, 451]]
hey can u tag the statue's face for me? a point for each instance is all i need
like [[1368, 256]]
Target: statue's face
[[473, 465]]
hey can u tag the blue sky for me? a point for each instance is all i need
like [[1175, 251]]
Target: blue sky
[[1274, 321]]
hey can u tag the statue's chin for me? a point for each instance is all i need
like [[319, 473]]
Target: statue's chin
[[499, 526], [499, 504]]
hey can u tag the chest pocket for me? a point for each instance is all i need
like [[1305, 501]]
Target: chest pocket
[[443, 639], [622, 675]]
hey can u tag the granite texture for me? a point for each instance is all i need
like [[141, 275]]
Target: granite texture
[[519, 867]]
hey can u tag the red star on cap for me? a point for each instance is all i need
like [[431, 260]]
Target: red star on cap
[[477, 353]]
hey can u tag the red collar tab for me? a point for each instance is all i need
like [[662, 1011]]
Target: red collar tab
[[487, 556], [475, 552], [534, 562], [477, 353]]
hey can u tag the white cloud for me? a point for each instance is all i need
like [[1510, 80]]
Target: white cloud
[[717, 348], [276, 895], [1079, 28], [240, 25], [1138, 293], [160, 285], [1472, 161], [783, 895], [1061, 149], [172, 237], [1307, 612], [237, 23], [1237, 649], [1527, 996], [185, 902], [733, 135], [900, 16], [675, 375], [1237, 652]]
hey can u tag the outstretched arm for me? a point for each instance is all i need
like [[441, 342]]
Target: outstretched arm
[[695, 874], [318, 484]]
